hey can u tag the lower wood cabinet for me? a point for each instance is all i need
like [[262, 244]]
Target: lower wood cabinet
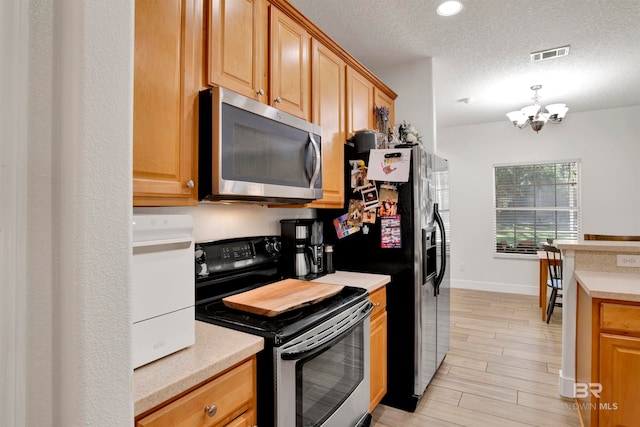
[[378, 375], [228, 399], [607, 361]]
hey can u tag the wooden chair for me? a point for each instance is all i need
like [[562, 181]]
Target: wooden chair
[[612, 237], [554, 259]]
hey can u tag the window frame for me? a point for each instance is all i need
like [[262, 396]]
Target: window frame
[[578, 209]]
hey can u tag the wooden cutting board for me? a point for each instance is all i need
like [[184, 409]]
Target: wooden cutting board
[[279, 297]]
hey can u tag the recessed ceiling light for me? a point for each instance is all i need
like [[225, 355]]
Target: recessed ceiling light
[[449, 8]]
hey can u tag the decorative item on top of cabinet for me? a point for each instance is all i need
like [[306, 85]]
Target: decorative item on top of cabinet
[[167, 64], [328, 101], [289, 75], [384, 122], [378, 376], [238, 41], [381, 99], [227, 400]]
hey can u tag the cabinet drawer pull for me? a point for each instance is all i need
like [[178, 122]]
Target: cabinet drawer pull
[[190, 183], [211, 410]]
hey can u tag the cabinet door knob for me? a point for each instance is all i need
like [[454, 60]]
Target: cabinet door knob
[[260, 92], [278, 100], [190, 183], [211, 410], [376, 304]]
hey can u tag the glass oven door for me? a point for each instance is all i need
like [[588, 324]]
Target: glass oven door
[[325, 380], [323, 376]]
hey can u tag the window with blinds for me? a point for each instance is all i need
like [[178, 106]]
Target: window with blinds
[[535, 203]]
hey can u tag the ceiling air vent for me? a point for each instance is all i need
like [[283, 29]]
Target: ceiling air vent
[[550, 53]]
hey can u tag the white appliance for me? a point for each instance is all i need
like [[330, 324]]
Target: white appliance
[[162, 291]]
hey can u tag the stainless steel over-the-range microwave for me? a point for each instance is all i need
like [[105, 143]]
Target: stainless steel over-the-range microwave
[[249, 151]]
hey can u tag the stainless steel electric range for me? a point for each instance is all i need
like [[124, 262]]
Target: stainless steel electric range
[[314, 369]]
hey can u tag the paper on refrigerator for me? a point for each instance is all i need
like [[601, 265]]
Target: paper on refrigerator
[[391, 164]]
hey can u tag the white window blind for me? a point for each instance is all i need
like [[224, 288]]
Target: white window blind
[[535, 203]]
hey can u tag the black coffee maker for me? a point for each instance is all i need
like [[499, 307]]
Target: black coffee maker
[[302, 248]]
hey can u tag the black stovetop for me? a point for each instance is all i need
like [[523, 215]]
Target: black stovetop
[[283, 327], [232, 266]]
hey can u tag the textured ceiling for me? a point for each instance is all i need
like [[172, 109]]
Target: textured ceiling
[[483, 52]]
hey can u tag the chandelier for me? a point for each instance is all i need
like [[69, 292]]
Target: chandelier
[[537, 115]]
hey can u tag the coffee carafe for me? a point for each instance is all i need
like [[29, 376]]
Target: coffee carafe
[[302, 248], [301, 260], [316, 247]]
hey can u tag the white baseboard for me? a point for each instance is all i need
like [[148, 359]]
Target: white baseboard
[[495, 287], [566, 385]]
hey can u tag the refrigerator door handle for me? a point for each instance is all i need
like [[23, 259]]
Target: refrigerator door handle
[[443, 249]]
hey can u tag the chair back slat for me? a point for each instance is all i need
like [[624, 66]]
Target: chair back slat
[[554, 262]]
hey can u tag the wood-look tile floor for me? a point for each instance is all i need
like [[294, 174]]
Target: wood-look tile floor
[[501, 368]]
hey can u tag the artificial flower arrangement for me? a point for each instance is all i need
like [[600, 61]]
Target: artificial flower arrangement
[[382, 118], [408, 133]]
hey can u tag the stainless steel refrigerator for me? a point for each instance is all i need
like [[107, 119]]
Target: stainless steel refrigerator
[[418, 296]]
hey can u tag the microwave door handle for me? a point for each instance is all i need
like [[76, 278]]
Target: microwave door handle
[[318, 159]]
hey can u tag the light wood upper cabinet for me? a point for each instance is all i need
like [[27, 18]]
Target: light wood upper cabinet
[[238, 41], [167, 63], [328, 106], [360, 102], [290, 65], [258, 51]]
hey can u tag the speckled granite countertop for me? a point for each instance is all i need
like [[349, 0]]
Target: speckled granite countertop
[[216, 349], [370, 282], [619, 286]]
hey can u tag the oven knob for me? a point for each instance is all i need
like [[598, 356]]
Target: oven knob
[[269, 247], [272, 247], [211, 410]]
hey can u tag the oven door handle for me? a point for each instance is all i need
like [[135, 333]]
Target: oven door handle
[[312, 351]]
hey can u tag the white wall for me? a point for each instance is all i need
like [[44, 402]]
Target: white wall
[[216, 221], [413, 82], [72, 144], [14, 20], [608, 144]]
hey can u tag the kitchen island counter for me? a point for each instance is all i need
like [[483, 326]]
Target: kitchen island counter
[[368, 281], [606, 285], [595, 265], [215, 350]]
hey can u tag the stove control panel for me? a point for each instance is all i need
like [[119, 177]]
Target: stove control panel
[[238, 251], [229, 255]]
